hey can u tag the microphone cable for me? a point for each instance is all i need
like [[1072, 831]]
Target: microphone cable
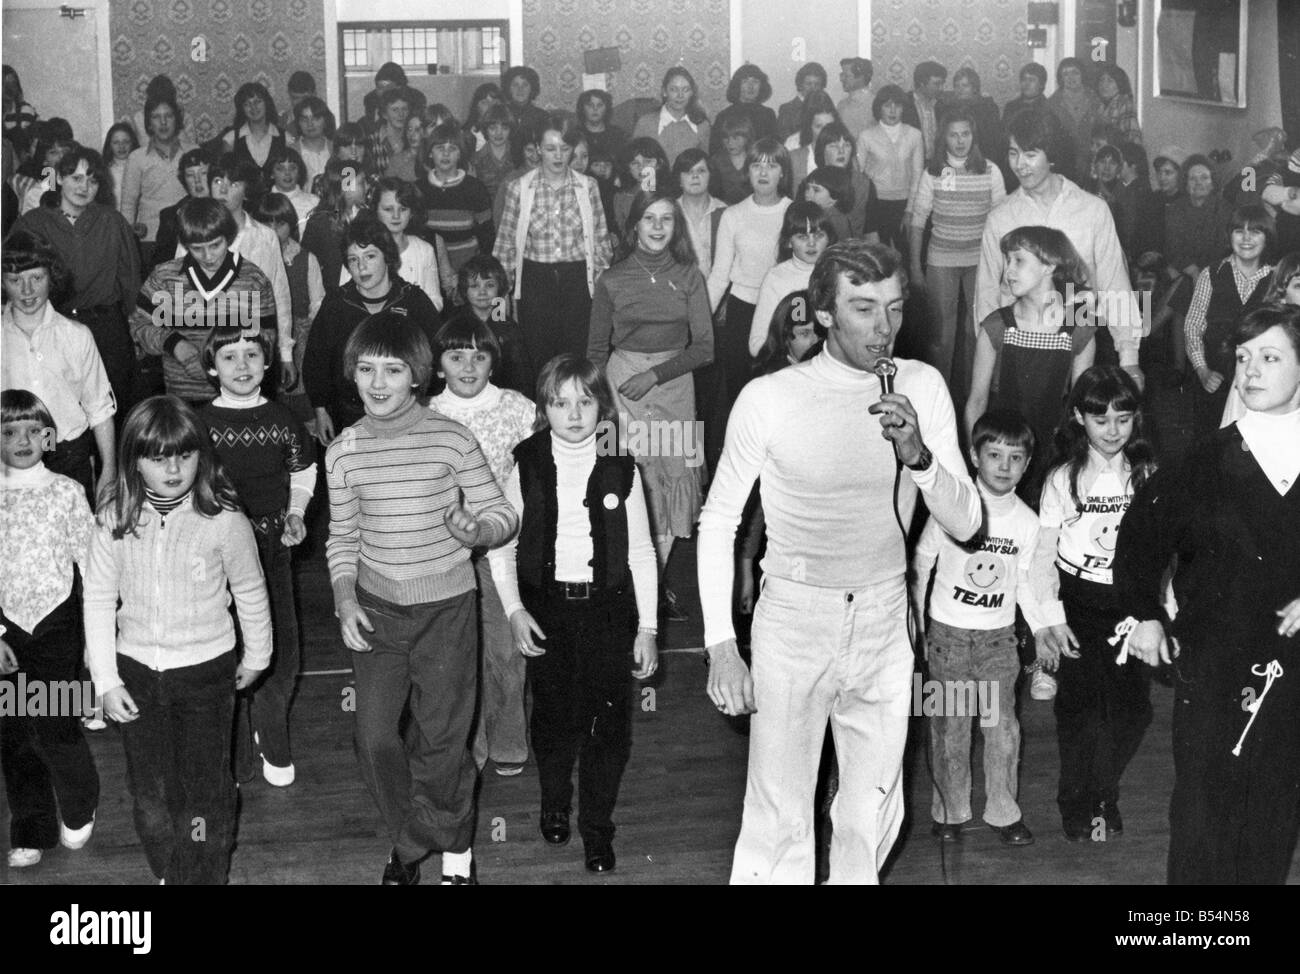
[[885, 369]]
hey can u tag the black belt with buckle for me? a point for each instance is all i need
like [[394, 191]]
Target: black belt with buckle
[[574, 591]]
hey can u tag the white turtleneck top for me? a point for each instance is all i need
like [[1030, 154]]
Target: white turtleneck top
[[1275, 442], [827, 480], [574, 463]]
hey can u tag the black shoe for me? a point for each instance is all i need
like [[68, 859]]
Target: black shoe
[[555, 828], [1017, 833], [1077, 831], [470, 880], [945, 833], [600, 855], [1114, 822], [397, 874]]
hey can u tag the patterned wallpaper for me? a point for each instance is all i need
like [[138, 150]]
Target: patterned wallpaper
[[652, 35], [990, 36], [209, 48]]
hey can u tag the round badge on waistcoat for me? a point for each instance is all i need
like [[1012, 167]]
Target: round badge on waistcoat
[[611, 502]]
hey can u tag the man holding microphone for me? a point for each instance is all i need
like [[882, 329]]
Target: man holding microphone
[[830, 633]]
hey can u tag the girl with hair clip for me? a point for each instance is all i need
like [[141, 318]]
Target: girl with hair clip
[[578, 585], [818, 112], [344, 189], [306, 291], [834, 146], [1224, 292], [272, 462], [650, 330], [1102, 706], [45, 525], [1029, 353], [746, 96], [955, 193], [1283, 289], [399, 206], [1229, 513], [747, 247], [468, 357], [254, 137], [806, 232], [119, 143], [830, 189], [680, 123], [170, 550]]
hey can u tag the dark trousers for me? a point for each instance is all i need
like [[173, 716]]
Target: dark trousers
[[582, 701], [733, 349], [1102, 709], [48, 768], [117, 349], [426, 655], [891, 223], [264, 708], [72, 459], [178, 767], [554, 309], [1233, 819]]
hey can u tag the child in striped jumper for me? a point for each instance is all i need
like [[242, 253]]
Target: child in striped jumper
[[399, 560]]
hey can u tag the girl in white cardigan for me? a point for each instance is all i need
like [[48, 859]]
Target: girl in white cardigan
[[893, 155]]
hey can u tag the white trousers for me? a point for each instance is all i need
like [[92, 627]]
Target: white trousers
[[823, 653]]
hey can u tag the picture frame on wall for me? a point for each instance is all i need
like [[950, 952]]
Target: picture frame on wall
[[1200, 52]]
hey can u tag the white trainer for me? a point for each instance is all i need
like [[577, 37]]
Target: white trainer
[[276, 775], [1043, 686], [21, 858], [76, 838]]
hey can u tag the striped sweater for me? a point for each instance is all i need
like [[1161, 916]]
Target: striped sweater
[[959, 202], [180, 303], [460, 213], [391, 481]]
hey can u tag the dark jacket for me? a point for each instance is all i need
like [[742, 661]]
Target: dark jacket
[[340, 313]]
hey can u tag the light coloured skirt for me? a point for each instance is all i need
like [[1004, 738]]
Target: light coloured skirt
[[661, 432]]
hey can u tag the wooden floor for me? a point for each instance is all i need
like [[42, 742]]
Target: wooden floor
[[679, 810]]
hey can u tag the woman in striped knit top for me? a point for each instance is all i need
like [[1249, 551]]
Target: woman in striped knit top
[[957, 189]]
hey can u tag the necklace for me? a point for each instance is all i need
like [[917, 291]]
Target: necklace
[[644, 268]]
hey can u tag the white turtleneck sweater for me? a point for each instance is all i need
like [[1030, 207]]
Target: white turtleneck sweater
[[574, 463], [979, 583], [827, 480], [1274, 440], [787, 276]]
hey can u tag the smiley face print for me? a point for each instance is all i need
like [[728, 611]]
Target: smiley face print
[[984, 570], [1104, 534]]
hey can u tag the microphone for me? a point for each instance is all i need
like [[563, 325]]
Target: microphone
[[885, 370]]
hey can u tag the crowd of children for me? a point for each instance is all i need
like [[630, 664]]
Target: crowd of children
[[459, 315]]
